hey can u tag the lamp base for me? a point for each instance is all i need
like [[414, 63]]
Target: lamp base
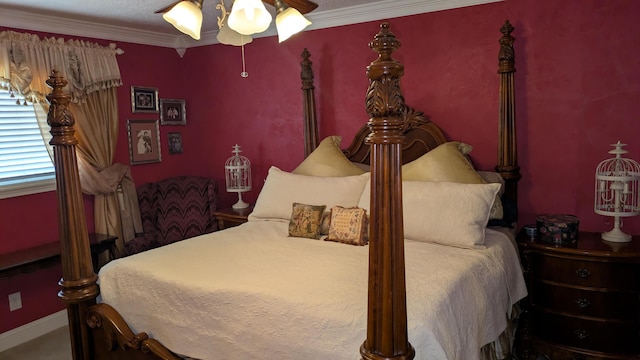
[[616, 235], [240, 205]]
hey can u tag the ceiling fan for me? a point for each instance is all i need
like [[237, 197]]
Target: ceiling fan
[[247, 17]]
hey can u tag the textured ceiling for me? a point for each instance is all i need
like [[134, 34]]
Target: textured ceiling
[[136, 13]]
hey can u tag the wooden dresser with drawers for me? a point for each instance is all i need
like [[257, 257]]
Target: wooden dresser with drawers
[[584, 299]]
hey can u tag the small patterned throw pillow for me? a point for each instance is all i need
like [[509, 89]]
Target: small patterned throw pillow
[[305, 220], [348, 225]]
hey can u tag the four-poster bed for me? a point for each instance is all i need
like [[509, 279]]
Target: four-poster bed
[[395, 134]]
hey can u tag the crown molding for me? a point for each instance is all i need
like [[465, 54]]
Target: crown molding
[[385, 9]]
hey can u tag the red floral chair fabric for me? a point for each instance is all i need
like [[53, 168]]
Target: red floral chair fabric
[[175, 209]]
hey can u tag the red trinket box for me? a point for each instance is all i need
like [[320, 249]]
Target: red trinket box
[[559, 229]]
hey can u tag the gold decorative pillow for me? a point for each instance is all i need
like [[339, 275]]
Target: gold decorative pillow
[[447, 162], [348, 225], [328, 160], [305, 220]]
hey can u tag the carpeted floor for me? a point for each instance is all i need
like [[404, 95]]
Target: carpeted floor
[[52, 346]]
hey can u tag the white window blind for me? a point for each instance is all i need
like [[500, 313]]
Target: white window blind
[[25, 165]]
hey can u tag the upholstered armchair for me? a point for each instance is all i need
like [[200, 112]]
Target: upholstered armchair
[[175, 209]]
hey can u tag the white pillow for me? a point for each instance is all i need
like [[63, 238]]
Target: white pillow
[[281, 189], [447, 213]]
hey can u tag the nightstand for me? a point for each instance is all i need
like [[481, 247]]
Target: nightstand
[[230, 217], [584, 299]]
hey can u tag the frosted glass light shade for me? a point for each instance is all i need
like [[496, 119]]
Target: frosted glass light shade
[[186, 17], [228, 36], [249, 17], [290, 22]]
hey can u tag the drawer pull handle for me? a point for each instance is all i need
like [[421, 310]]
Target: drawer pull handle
[[583, 273], [583, 303], [581, 334]]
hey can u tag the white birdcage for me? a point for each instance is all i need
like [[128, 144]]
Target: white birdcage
[[617, 191], [237, 171]]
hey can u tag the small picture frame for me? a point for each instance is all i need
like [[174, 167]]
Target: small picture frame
[[144, 99], [144, 141], [175, 143], [173, 112]]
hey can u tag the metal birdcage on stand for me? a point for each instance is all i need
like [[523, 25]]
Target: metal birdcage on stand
[[616, 191], [237, 171]]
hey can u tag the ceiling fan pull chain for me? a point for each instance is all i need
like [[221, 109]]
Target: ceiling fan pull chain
[[244, 72]]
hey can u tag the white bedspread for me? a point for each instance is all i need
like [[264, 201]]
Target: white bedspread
[[251, 292]]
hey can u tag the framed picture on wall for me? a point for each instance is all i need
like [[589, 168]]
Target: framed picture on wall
[[173, 112], [175, 143], [144, 141], [144, 99]]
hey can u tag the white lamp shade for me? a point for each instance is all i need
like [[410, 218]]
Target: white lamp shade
[[290, 22], [228, 36], [186, 17], [249, 17]]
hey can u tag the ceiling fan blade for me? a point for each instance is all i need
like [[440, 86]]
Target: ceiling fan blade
[[167, 8], [304, 6]]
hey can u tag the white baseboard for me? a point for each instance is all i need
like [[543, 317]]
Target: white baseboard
[[32, 330]]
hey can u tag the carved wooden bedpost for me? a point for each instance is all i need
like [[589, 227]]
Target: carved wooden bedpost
[[507, 144], [387, 305], [79, 289], [309, 106]]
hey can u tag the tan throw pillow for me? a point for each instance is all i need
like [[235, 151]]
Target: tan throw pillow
[[348, 225], [448, 162], [328, 160], [305, 220]]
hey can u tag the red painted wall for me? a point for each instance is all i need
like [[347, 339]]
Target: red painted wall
[[578, 82]]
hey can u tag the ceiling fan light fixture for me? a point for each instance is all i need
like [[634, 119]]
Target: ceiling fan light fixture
[[249, 17], [228, 36], [186, 16], [289, 22]]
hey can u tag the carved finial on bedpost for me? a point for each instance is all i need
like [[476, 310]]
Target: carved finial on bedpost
[[60, 118], [507, 137], [384, 97], [506, 55], [306, 73], [310, 125], [79, 289], [387, 307]]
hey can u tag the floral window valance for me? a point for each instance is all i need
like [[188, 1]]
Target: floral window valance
[[26, 62]]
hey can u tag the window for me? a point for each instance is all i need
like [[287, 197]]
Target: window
[[25, 165]]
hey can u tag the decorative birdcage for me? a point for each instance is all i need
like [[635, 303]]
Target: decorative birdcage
[[616, 191], [237, 171]]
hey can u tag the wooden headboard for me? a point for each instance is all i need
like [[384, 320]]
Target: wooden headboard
[[421, 135]]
